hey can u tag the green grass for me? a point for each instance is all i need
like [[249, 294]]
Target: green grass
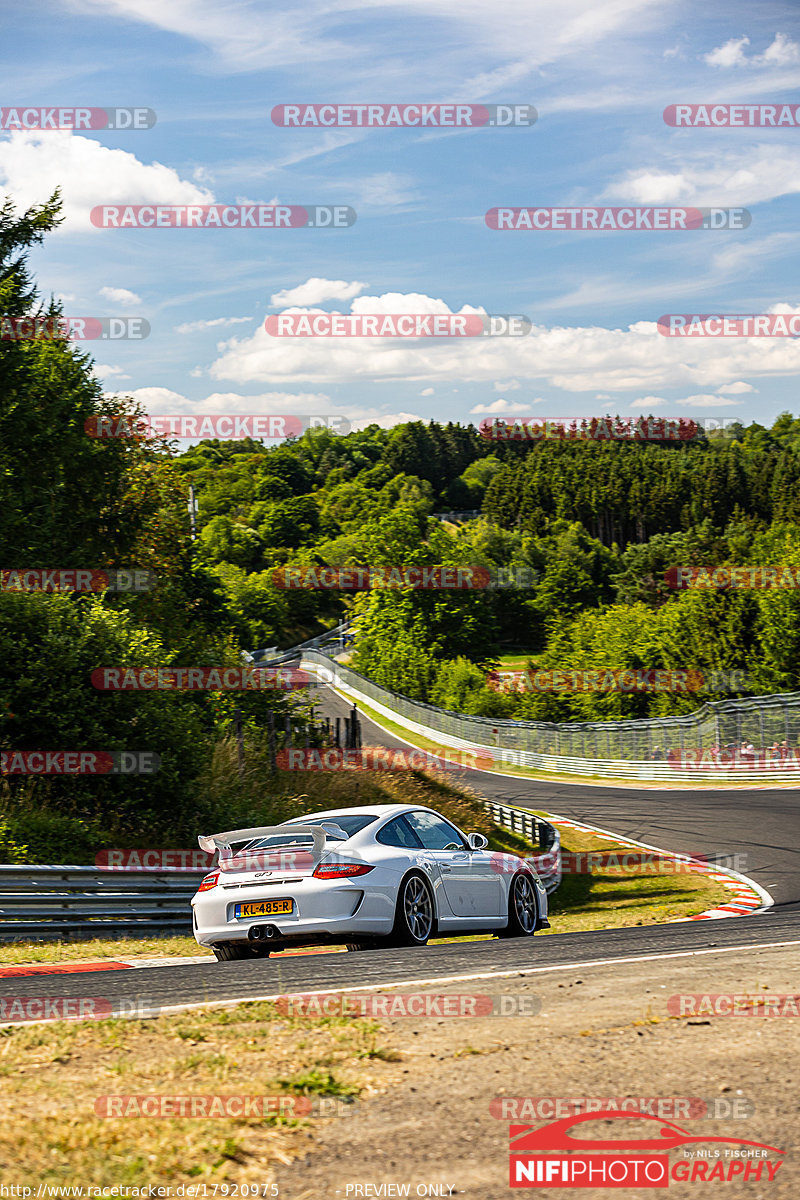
[[516, 662]]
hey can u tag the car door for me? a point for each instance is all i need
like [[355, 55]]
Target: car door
[[473, 889], [399, 833]]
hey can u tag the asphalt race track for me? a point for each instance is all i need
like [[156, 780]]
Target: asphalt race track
[[760, 823]]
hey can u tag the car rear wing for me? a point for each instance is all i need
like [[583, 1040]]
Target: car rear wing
[[223, 841]]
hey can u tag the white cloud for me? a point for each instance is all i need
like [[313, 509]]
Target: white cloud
[[33, 165], [120, 295], [503, 406], [710, 178], [251, 36], [647, 402], [579, 358], [386, 190], [167, 402], [735, 389], [782, 52], [730, 55], [194, 326], [513, 385], [603, 396], [360, 418], [707, 401], [317, 291], [735, 261], [427, 392], [107, 372]]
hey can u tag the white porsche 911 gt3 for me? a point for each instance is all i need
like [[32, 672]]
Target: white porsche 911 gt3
[[387, 874]]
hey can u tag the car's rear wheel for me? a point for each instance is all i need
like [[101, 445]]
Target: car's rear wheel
[[233, 950], [523, 912], [414, 919]]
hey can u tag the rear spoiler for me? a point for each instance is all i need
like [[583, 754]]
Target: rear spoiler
[[222, 841]]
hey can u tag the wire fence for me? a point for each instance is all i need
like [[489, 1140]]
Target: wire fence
[[758, 733]]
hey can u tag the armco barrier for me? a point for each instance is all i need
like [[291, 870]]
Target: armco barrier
[[321, 639], [554, 748], [56, 902], [52, 902], [537, 832]]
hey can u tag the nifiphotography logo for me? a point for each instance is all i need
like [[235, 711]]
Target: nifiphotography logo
[[642, 1162]]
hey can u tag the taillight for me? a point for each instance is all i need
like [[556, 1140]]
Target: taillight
[[209, 882], [340, 870]]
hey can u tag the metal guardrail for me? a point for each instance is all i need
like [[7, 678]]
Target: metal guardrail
[[309, 644], [67, 901], [62, 902], [536, 831], [596, 748]]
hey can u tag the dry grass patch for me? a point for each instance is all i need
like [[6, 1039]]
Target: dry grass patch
[[49, 1127]]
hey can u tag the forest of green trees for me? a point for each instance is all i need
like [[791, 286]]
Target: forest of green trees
[[595, 523]]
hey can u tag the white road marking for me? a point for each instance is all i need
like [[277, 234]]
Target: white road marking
[[171, 1009]]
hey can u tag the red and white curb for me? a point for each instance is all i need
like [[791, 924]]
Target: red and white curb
[[748, 896], [123, 964]]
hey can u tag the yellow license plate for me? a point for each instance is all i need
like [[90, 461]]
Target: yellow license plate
[[263, 908]]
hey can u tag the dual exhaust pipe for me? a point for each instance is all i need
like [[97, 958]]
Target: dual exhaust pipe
[[263, 933]]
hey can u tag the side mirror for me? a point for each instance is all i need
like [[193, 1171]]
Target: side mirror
[[477, 841]]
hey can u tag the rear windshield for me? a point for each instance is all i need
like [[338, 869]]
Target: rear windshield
[[349, 823]]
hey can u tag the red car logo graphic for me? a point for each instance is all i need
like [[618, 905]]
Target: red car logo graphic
[[527, 1139]]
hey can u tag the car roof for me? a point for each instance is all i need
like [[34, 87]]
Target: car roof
[[380, 810]]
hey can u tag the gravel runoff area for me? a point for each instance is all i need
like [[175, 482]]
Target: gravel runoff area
[[603, 1031]]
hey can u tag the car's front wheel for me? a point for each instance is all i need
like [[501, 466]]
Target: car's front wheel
[[232, 950], [414, 919], [522, 908]]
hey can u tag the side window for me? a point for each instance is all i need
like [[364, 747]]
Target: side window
[[398, 832], [434, 832]]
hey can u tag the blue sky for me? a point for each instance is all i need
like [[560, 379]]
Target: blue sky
[[599, 76]]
